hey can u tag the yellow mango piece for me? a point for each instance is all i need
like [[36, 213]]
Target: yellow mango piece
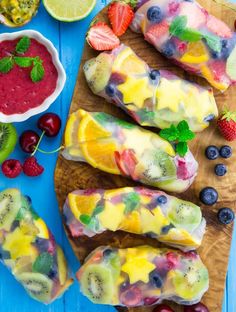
[[131, 223], [153, 221], [62, 266], [42, 227], [109, 194], [111, 217], [196, 53], [182, 237], [138, 269]]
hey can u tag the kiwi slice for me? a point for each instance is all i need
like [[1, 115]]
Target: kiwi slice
[[98, 71], [192, 283], [10, 203], [8, 139], [97, 283], [184, 214], [37, 285]]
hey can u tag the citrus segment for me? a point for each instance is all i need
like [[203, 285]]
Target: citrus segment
[[82, 204], [196, 53]]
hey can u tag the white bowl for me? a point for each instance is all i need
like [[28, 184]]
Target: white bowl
[[60, 81]]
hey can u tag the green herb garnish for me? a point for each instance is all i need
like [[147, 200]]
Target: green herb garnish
[[180, 134], [7, 63], [131, 202], [43, 263]]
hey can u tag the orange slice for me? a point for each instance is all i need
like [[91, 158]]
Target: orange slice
[[83, 204], [196, 53]]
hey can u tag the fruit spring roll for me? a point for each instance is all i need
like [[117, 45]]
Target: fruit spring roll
[[152, 97], [118, 147], [143, 276], [29, 250], [186, 33], [137, 210]]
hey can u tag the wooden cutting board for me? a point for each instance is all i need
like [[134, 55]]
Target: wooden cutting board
[[71, 175]]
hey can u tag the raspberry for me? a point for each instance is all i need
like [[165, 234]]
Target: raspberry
[[31, 167], [11, 168]]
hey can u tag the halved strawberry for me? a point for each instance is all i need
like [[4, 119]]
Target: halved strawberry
[[101, 37], [157, 33], [218, 27], [120, 15]]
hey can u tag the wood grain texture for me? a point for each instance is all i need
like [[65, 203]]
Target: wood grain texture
[[70, 175]]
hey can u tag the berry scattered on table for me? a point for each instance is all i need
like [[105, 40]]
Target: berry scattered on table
[[212, 152], [11, 168], [226, 151], [208, 196], [31, 167], [227, 125], [163, 308], [154, 14], [199, 307], [220, 170], [28, 141], [50, 123], [120, 15], [102, 38], [226, 215]]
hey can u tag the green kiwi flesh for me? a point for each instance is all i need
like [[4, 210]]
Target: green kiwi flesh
[[37, 285], [184, 214], [10, 203], [8, 139], [97, 283]]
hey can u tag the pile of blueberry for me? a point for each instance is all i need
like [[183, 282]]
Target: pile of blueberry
[[209, 195]]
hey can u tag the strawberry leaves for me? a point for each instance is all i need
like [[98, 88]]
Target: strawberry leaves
[[180, 134]]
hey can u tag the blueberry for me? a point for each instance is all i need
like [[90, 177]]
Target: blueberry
[[169, 49], [226, 215], [212, 152], [209, 118], [156, 280], [110, 89], [208, 196], [220, 170], [166, 229], [107, 253], [226, 151], [154, 14], [162, 200], [52, 273], [155, 75]]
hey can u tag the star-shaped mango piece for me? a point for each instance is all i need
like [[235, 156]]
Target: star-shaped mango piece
[[153, 221], [135, 91]]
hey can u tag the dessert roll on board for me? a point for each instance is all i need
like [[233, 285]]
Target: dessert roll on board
[[143, 275], [186, 33], [135, 210], [152, 97], [29, 250], [121, 148]]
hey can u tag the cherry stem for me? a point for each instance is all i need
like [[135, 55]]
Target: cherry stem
[[37, 146], [51, 152]]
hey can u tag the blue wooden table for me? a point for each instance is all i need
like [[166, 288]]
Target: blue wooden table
[[69, 41]]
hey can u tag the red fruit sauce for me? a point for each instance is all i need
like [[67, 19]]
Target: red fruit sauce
[[18, 93]]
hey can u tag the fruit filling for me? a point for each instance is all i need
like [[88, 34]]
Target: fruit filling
[[135, 210], [118, 147], [143, 275], [185, 32], [29, 250], [152, 97]]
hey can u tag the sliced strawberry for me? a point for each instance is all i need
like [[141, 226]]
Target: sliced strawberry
[[126, 162], [218, 27], [196, 15], [157, 33], [101, 37], [120, 15], [218, 68]]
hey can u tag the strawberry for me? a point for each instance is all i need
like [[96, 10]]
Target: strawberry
[[157, 32], [101, 37], [120, 15], [227, 125], [218, 27]]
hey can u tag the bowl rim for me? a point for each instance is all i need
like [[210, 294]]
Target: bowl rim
[[60, 80]]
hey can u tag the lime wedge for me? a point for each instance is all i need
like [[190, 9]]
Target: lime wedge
[[231, 65], [69, 10]]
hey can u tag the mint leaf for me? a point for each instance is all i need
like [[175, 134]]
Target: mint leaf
[[43, 263], [37, 72], [23, 45], [6, 64], [182, 148], [190, 35], [182, 126], [178, 25], [169, 134], [213, 42], [23, 61], [185, 134], [131, 201], [85, 219], [98, 209]]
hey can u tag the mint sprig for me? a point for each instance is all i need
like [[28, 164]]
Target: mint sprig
[[7, 63], [180, 134]]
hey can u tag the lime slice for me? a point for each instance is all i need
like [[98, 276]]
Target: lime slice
[[69, 11], [231, 65]]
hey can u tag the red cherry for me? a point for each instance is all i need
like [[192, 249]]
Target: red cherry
[[199, 307], [28, 140], [131, 297], [163, 308], [50, 123], [150, 301]]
